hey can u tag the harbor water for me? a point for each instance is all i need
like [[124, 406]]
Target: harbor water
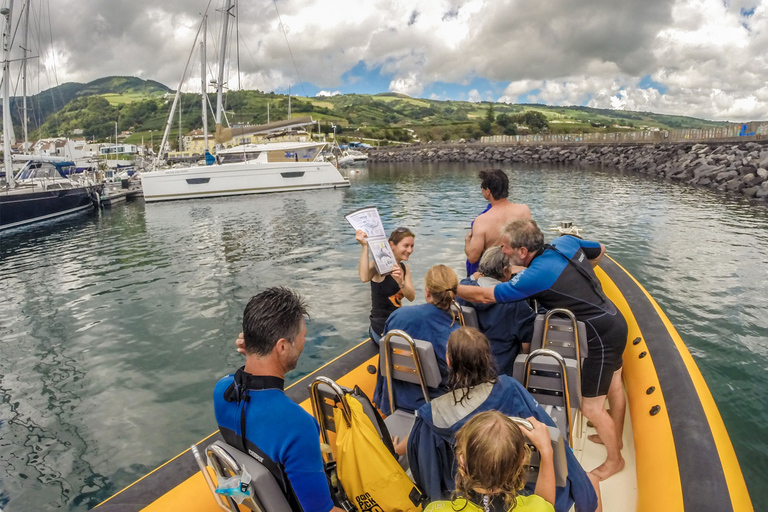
[[114, 326]]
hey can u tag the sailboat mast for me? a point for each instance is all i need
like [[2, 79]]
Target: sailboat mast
[[24, 47], [203, 82], [7, 122], [227, 12]]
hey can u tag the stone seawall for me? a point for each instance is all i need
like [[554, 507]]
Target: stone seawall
[[736, 168]]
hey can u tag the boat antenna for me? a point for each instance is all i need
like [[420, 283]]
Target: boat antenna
[[7, 123], [282, 27], [204, 83], [178, 91], [227, 13]]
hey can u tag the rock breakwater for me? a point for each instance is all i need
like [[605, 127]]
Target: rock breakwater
[[735, 168]]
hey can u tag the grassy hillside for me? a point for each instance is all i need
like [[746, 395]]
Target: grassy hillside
[[140, 106]]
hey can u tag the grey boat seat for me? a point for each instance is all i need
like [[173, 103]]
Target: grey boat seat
[[465, 315], [227, 461], [558, 454], [405, 359], [552, 370]]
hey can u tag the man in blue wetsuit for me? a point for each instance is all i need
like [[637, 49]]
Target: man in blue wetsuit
[[254, 414], [561, 275]]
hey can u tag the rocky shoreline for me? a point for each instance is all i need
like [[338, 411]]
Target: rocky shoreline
[[739, 168]]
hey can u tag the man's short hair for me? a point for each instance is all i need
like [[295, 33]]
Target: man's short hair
[[493, 262], [270, 315], [523, 233], [496, 182]]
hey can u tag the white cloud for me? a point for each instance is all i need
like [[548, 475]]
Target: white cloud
[[708, 58], [327, 93], [474, 96]]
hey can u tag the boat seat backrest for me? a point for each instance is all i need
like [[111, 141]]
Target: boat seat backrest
[[558, 457], [545, 382], [470, 317], [560, 336], [325, 399], [227, 461], [404, 366]]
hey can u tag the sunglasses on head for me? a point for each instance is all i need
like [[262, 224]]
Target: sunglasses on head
[[402, 229]]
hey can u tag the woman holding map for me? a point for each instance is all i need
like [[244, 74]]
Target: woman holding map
[[388, 290]]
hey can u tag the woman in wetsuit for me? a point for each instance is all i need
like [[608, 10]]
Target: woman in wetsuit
[[387, 291]]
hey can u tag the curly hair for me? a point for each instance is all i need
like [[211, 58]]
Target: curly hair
[[491, 454]]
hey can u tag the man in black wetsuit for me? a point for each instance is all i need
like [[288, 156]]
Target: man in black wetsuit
[[561, 275]]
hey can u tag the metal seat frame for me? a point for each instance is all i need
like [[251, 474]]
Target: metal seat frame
[[414, 354]]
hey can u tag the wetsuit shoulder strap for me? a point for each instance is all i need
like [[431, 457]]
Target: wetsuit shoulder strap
[[584, 273]]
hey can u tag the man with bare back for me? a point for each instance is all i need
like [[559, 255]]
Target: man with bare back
[[486, 228]]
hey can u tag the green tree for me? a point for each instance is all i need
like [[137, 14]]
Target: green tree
[[490, 116]]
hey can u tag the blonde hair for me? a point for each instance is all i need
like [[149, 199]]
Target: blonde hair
[[442, 283], [491, 454]]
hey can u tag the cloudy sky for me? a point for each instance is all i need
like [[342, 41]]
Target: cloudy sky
[[702, 58]]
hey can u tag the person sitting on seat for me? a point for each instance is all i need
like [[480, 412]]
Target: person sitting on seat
[[509, 325], [432, 322], [491, 472], [476, 388], [254, 414]]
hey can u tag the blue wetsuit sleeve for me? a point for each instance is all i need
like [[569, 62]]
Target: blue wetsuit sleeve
[[304, 466], [591, 249], [526, 283]]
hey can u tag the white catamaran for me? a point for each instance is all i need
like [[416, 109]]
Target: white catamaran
[[246, 169]]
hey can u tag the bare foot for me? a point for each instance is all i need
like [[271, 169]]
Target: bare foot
[[596, 439], [607, 469]]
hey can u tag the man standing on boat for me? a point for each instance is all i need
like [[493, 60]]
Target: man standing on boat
[[561, 275], [485, 229], [254, 414]]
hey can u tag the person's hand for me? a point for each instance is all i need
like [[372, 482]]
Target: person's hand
[[477, 275], [240, 343], [400, 446], [361, 237], [397, 274], [539, 436]]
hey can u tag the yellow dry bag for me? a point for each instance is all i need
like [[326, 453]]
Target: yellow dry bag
[[371, 476]]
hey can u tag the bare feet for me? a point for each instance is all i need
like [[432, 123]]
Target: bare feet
[[607, 469], [596, 439]]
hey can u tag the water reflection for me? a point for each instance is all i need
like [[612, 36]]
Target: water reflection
[[115, 326]]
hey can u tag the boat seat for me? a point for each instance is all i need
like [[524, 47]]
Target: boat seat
[[465, 315], [559, 459], [558, 326], [405, 359], [552, 371], [227, 461], [326, 395]]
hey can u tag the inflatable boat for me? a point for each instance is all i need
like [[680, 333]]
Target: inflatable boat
[[677, 451]]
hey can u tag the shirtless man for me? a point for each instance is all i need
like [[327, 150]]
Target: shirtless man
[[486, 228]]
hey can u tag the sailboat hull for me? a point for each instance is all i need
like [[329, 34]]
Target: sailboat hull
[[238, 179], [19, 208]]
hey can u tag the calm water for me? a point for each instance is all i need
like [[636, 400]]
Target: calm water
[[115, 326]]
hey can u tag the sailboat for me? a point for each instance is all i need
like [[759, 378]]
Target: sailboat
[[246, 169], [40, 191]]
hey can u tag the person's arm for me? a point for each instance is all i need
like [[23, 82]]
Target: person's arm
[[365, 268], [405, 282], [596, 260], [476, 294], [303, 464], [474, 242], [539, 436]]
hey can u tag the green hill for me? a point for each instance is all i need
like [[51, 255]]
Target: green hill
[[141, 106]]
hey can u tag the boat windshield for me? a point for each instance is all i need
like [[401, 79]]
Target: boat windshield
[[228, 158], [39, 170]]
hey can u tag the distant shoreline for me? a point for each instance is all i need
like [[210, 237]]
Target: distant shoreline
[[737, 168]]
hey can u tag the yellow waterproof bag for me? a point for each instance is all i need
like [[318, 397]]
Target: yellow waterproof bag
[[370, 475]]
